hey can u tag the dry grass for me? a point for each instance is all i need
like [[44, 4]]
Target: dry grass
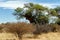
[[48, 36], [8, 36]]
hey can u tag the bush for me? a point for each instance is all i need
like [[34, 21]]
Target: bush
[[56, 27], [19, 28], [1, 27], [47, 28]]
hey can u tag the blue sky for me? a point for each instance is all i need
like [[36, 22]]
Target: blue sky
[[7, 7]]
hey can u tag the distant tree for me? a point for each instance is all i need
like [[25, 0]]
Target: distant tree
[[57, 8]]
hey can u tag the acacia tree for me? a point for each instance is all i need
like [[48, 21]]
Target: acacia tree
[[32, 12]]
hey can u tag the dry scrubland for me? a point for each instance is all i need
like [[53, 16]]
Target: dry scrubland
[[31, 31]]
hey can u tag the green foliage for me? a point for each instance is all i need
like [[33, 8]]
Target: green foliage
[[28, 14], [43, 19], [57, 8], [33, 13], [18, 9], [18, 13], [38, 7], [58, 22], [53, 12]]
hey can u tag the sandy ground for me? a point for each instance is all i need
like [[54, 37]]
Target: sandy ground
[[48, 36], [8, 36]]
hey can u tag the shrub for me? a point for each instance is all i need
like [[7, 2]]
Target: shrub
[[19, 28], [1, 27], [56, 27], [47, 28]]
